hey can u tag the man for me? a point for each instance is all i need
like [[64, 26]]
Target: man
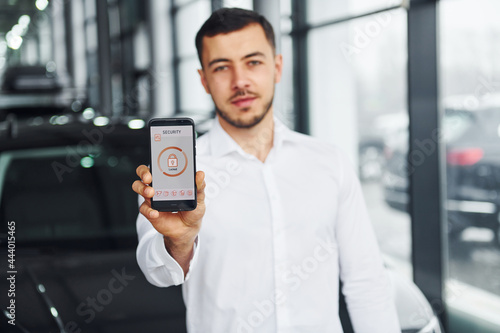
[[284, 217]]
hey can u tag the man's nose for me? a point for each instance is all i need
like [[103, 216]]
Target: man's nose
[[240, 78]]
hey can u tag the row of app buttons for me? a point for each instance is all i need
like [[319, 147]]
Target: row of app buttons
[[174, 193]]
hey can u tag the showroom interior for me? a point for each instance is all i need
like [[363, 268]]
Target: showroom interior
[[409, 89]]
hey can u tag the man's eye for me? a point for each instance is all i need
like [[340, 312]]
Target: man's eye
[[220, 68], [254, 62]]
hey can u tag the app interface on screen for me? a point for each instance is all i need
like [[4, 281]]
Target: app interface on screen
[[172, 162]]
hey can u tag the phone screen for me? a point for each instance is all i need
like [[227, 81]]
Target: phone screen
[[172, 162]]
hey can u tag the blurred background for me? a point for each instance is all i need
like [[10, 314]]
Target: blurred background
[[410, 89]]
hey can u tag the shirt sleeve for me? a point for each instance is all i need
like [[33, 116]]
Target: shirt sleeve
[[158, 266], [366, 284]]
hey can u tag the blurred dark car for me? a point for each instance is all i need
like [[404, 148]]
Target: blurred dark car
[[472, 139], [66, 188], [31, 91], [38, 78], [372, 134]]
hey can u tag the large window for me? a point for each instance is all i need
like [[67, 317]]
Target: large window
[[470, 91], [187, 20], [357, 92], [27, 34], [188, 16], [283, 101], [320, 11]]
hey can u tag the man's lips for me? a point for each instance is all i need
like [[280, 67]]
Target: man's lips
[[243, 102]]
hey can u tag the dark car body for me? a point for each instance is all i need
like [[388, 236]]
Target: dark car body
[[22, 79], [67, 188], [472, 139]]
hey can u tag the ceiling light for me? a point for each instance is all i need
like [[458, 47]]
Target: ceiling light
[[87, 162], [18, 30], [88, 113], [24, 20], [54, 312], [3, 48], [41, 288], [14, 41], [41, 4], [62, 120], [101, 121], [136, 124]]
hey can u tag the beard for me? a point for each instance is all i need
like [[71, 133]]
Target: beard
[[239, 123]]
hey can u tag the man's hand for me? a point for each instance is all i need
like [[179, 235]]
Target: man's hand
[[180, 229]]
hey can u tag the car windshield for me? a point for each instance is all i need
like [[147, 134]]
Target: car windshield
[[455, 124], [53, 194]]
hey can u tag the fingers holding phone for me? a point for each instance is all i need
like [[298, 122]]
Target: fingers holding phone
[[142, 187], [189, 218], [180, 229]]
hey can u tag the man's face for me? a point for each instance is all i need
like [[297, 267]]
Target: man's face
[[239, 71]]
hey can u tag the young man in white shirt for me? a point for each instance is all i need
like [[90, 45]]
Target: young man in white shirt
[[284, 217]]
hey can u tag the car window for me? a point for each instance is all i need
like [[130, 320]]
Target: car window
[[491, 121], [53, 195], [455, 124]]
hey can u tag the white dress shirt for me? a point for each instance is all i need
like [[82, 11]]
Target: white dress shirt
[[274, 241]]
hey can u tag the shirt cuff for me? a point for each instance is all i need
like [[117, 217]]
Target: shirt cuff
[[172, 266]]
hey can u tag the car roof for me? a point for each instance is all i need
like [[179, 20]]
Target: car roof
[[470, 102]]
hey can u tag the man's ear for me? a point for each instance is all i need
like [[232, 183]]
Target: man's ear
[[278, 67], [203, 80]]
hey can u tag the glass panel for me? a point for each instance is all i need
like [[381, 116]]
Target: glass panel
[[284, 107], [141, 47], [114, 21], [179, 3], [358, 101], [143, 96], [470, 76], [117, 92], [286, 16], [245, 4], [284, 90], [324, 10], [90, 8], [286, 8], [188, 21], [91, 36], [3, 55], [193, 95], [78, 52]]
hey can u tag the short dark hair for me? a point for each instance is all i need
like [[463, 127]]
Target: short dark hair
[[226, 20]]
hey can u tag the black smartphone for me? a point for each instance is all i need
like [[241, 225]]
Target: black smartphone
[[173, 164]]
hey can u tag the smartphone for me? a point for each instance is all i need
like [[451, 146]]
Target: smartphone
[[173, 165]]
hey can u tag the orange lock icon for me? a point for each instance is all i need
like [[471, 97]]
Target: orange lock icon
[[172, 161]]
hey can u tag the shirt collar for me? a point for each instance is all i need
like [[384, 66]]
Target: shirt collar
[[222, 143]]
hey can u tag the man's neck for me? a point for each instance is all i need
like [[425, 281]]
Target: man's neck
[[257, 140]]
